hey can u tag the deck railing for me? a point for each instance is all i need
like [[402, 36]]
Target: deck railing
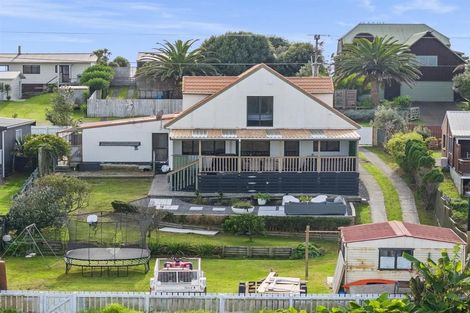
[[463, 166], [184, 177], [233, 164]]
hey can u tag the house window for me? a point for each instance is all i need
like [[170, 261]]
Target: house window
[[259, 111], [31, 69], [291, 148], [18, 134], [392, 259], [255, 148], [4, 68], [326, 146], [190, 147], [427, 60]]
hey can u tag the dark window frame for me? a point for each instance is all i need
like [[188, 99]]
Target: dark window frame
[[292, 150], [258, 102], [397, 253], [30, 68], [327, 146], [215, 149], [250, 151]]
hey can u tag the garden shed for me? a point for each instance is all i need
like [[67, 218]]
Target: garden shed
[[373, 253]]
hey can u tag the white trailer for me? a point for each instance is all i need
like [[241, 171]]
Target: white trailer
[[178, 275]]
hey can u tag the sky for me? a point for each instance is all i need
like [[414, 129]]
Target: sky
[[126, 27]]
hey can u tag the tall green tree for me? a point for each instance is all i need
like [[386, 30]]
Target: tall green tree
[[172, 61], [119, 61], [238, 51], [62, 108], [380, 61], [103, 55], [299, 55]]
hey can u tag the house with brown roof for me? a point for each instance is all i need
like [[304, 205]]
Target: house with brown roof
[[371, 259], [456, 147], [262, 132]]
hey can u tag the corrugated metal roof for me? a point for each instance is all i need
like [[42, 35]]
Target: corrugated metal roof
[[123, 121], [401, 32], [9, 74], [207, 85], [37, 58], [395, 229], [459, 123], [6, 122], [267, 134]]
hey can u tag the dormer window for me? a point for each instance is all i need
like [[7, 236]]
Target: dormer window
[[367, 36], [259, 111]]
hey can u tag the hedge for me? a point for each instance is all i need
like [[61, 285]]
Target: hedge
[[185, 249]]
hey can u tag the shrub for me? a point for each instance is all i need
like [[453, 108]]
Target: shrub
[[242, 204], [389, 120], [305, 198], [244, 224], [423, 131], [62, 108], [97, 84], [313, 251], [360, 115], [87, 76], [185, 249], [401, 102], [395, 146], [53, 144], [365, 103], [9, 311], [99, 68], [112, 308], [123, 207], [262, 196]]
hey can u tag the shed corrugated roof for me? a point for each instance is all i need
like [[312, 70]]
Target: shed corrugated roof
[[124, 121], [395, 229], [37, 58], [207, 85], [6, 122], [281, 134], [401, 32], [459, 123]]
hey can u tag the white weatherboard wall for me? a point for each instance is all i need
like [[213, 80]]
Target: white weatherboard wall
[[292, 108], [189, 100], [47, 72], [93, 152], [429, 91], [362, 258]]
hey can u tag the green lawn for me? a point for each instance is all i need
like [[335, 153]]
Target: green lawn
[[9, 189], [106, 190], [123, 92], [34, 108], [223, 275], [384, 156], [448, 188], [392, 202], [363, 215]]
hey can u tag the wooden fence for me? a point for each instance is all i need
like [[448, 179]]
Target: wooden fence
[[345, 99], [74, 302], [443, 216], [257, 252], [131, 107]]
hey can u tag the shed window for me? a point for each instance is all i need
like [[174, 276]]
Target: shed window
[[392, 259], [4, 68], [31, 69], [18, 134]]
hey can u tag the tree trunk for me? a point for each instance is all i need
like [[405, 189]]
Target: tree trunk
[[374, 92]]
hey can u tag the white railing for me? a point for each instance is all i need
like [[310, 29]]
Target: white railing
[[231, 164], [184, 177], [73, 302]]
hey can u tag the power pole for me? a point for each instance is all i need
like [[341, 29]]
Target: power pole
[[315, 63]]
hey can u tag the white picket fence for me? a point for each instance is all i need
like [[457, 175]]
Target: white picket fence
[[74, 302]]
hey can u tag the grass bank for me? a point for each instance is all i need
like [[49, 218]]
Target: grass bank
[[9, 189]]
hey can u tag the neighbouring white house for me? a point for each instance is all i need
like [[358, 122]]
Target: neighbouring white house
[[12, 79], [372, 254], [140, 140], [456, 147], [42, 69], [262, 132]]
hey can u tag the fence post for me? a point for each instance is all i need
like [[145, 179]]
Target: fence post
[[42, 303], [147, 303], [73, 303], [221, 303]]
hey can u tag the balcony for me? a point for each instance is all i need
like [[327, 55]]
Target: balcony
[[463, 166]]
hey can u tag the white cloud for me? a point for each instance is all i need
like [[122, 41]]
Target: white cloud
[[434, 6], [367, 4]]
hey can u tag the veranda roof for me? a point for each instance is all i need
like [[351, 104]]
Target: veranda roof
[[267, 134]]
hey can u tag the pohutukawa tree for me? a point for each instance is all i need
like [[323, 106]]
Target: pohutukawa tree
[[380, 61]]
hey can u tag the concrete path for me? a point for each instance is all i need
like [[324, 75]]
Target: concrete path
[[376, 197], [405, 195]]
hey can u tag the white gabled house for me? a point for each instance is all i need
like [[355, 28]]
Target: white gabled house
[[262, 132]]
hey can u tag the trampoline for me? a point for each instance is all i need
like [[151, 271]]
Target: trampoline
[[111, 242]]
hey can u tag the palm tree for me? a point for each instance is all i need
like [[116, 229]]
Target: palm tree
[[102, 55], [380, 61], [172, 61]]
